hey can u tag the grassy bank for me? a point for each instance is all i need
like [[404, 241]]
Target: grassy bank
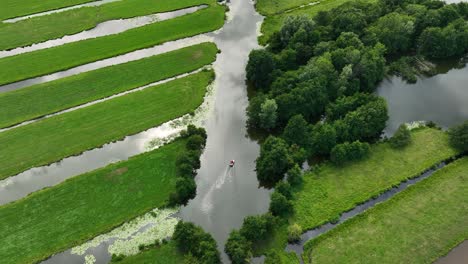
[[416, 226], [39, 29], [164, 254], [82, 207], [273, 23], [331, 190], [15, 8], [39, 100], [271, 7], [71, 133], [63, 57]]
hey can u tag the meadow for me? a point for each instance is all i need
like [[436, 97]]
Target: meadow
[[417, 225], [38, 29], [41, 62], [71, 133], [163, 254], [70, 213], [15, 8], [50, 97], [272, 7]]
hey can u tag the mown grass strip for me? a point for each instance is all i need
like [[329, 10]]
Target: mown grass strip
[[163, 254], [17, 8], [63, 57], [271, 7], [416, 226], [57, 137], [331, 190], [53, 26], [57, 218], [42, 99], [273, 23]]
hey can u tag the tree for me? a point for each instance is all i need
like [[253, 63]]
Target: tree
[[346, 104], [186, 189], [297, 131], [192, 240], [280, 205], [401, 138], [292, 25], [273, 161], [238, 248], [371, 68], [294, 233], [395, 31], [196, 143], [324, 138], [345, 152], [260, 68], [285, 189], [257, 227], [294, 175], [268, 115], [349, 39], [458, 136], [254, 109]]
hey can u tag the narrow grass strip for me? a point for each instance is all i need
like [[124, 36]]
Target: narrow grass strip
[[17, 8], [271, 7], [418, 225], [57, 218], [163, 254], [63, 57], [71, 133], [47, 98], [39, 29]]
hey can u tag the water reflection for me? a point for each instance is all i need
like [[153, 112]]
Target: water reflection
[[442, 98]]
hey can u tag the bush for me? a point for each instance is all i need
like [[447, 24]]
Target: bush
[[196, 142], [401, 138], [459, 136], [238, 248], [294, 233], [294, 175], [345, 152], [257, 227], [285, 189], [186, 189], [280, 205]]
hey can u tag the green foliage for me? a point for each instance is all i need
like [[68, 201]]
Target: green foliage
[[346, 104], [285, 189], [395, 31], [294, 175], [439, 43], [257, 227], [260, 68], [280, 205], [273, 161], [401, 138], [297, 131], [238, 248], [268, 114], [196, 143], [294, 233], [191, 239], [346, 152], [459, 136], [324, 138], [186, 189]]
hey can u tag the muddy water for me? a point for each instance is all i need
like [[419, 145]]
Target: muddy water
[[442, 98], [104, 29], [132, 56], [458, 255], [96, 3], [226, 195]]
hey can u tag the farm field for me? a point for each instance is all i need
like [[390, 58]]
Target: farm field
[[41, 62], [69, 22], [332, 190], [416, 226], [80, 208], [71, 133], [46, 98], [14, 8]]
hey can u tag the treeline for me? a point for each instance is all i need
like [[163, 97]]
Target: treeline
[[314, 82]]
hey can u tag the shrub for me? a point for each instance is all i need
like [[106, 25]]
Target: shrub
[[257, 227], [284, 188], [238, 248], [294, 233], [401, 138], [459, 136], [294, 175], [280, 205], [345, 152]]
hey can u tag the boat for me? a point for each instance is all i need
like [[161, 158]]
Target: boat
[[231, 163]]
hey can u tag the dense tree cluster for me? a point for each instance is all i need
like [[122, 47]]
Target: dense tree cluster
[[192, 240], [459, 136], [344, 152], [187, 164]]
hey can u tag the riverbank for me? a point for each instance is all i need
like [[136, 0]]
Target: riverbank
[[71, 133], [328, 191], [51, 97], [41, 62], [418, 225], [80, 208], [163, 254]]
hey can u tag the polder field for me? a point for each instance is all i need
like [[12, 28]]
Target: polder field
[[50, 119]]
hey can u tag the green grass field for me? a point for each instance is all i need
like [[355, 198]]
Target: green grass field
[[334, 190], [17, 8], [39, 29], [416, 226], [42, 99], [271, 7], [63, 57], [273, 23], [165, 254], [82, 207], [68, 134]]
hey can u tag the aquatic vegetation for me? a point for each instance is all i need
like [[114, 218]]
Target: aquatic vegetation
[[156, 224], [90, 259]]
